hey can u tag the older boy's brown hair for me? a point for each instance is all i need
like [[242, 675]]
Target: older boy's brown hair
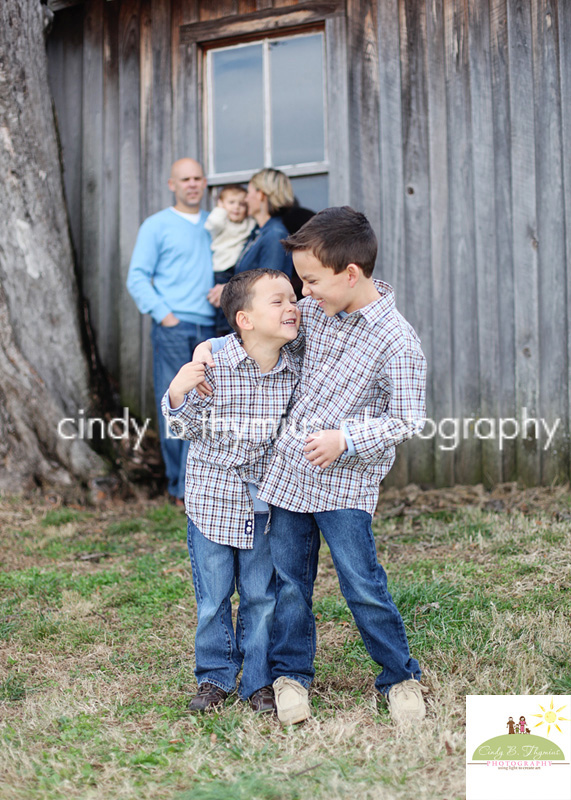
[[237, 293], [337, 237]]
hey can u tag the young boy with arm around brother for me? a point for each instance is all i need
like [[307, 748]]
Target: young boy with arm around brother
[[362, 392], [231, 435]]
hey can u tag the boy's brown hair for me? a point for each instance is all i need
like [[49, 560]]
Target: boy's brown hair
[[238, 292], [337, 237]]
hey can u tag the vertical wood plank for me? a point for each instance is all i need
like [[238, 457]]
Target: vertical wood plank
[[186, 116], [246, 6], [564, 29], [466, 392], [364, 109], [440, 372], [485, 234], [391, 267], [523, 149], [92, 159], [369, 70], [337, 104], [505, 385], [554, 381], [130, 320], [391, 243], [189, 11], [222, 8], [417, 208], [65, 72], [156, 139], [109, 278]]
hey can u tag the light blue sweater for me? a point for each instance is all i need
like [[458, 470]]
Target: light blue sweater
[[171, 268]]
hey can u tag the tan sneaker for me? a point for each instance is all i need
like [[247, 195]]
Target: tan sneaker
[[406, 703], [292, 702]]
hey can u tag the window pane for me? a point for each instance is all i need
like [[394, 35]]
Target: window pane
[[296, 71], [312, 191], [237, 108]]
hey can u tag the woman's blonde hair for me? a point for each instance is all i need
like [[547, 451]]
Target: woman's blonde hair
[[277, 188]]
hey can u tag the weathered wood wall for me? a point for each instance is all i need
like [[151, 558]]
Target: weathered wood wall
[[458, 116]]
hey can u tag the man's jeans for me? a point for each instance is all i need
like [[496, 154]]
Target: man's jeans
[[173, 347], [294, 540], [217, 571]]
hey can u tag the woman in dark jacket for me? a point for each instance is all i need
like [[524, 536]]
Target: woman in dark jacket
[[269, 193]]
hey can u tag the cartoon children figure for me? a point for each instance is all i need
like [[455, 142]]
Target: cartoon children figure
[[511, 725], [522, 724]]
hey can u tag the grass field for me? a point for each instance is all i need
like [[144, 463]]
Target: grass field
[[96, 628]]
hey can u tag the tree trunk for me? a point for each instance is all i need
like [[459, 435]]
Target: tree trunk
[[44, 374]]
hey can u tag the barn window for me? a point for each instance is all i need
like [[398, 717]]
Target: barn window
[[265, 107]]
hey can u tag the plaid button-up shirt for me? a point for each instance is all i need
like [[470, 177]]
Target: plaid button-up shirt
[[231, 436], [364, 372]]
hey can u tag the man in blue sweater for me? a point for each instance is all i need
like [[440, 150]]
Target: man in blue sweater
[[169, 277]]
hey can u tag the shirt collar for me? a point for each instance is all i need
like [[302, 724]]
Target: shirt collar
[[375, 311], [236, 354]]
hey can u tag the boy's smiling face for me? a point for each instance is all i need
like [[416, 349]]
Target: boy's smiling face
[[272, 313], [330, 290]]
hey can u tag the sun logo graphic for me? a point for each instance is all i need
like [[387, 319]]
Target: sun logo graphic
[[550, 717]]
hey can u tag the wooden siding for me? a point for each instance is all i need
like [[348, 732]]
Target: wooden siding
[[454, 136]]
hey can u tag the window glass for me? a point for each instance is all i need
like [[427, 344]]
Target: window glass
[[311, 191], [296, 81], [237, 108]]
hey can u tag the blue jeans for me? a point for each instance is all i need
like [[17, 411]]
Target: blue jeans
[[294, 540], [217, 570], [172, 347]]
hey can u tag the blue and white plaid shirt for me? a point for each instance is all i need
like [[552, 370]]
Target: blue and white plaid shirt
[[231, 436], [364, 373]]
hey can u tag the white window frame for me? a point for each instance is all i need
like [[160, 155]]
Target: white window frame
[[309, 169]]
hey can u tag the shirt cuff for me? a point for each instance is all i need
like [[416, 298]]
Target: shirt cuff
[[176, 410], [350, 446]]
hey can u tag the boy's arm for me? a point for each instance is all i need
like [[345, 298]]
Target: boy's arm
[[182, 407], [404, 417], [406, 412]]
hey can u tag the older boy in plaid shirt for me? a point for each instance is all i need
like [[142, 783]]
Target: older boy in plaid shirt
[[231, 435], [362, 392]]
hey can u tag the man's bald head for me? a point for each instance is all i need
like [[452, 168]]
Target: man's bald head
[[188, 183]]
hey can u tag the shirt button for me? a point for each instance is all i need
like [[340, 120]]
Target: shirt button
[[326, 368], [339, 334]]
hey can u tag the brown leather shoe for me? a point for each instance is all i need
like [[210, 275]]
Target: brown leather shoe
[[208, 696], [262, 701]]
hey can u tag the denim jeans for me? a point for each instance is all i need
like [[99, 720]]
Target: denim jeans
[[172, 347], [217, 571], [294, 540]]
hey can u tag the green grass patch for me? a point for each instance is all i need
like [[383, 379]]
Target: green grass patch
[[62, 516]]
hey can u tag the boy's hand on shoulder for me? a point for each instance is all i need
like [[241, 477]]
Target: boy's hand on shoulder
[[187, 378], [203, 353], [323, 447]]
